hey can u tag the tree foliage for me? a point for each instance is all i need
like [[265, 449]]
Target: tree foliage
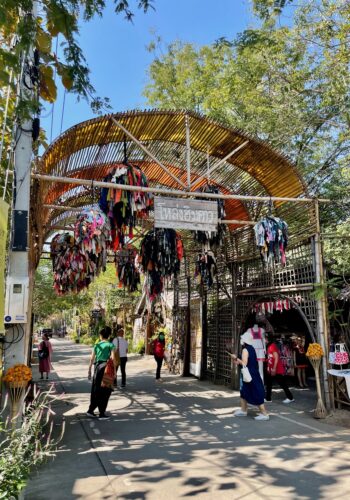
[[20, 32], [102, 293], [288, 85]]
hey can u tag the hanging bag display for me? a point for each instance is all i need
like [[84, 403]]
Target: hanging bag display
[[341, 355], [246, 374], [331, 358]]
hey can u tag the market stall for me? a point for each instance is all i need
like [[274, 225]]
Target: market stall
[[264, 241]]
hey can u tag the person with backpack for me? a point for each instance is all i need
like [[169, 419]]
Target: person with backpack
[[275, 371], [45, 355], [100, 393], [158, 347]]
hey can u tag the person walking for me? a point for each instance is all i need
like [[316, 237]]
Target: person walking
[[45, 356], [259, 344], [276, 371], [158, 350], [102, 351], [300, 362], [121, 344], [251, 392]]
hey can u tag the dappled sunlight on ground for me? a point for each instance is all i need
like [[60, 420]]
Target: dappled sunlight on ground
[[179, 439]]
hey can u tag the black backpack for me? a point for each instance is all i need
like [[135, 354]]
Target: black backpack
[[44, 352]]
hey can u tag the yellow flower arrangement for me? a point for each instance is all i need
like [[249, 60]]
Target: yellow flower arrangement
[[18, 374], [314, 351]]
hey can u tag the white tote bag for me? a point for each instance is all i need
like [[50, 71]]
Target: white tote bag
[[246, 374]]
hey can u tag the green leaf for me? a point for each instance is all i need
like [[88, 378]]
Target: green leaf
[[48, 89], [43, 41]]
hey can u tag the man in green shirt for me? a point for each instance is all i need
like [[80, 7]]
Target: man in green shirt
[[101, 352]]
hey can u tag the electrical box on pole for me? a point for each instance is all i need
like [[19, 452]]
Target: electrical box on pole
[[19, 280], [16, 301]]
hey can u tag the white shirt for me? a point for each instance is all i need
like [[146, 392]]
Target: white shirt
[[122, 345], [258, 342]]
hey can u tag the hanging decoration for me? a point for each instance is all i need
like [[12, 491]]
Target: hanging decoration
[[271, 235], [160, 256], [273, 305], [77, 260], [122, 207], [93, 237], [210, 240], [127, 268], [206, 268]]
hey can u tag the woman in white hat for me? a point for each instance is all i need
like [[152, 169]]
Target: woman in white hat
[[252, 392]]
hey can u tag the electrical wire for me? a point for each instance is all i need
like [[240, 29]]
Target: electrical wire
[[63, 106], [15, 340], [53, 104]]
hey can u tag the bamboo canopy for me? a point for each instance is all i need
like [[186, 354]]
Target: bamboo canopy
[[173, 148]]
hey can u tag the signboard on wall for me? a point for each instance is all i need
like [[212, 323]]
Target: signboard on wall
[[3, 238], [180, 213]]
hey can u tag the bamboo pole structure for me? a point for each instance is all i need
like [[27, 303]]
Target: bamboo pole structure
[[321, 306], [175, 192], [146, 150], [218, 164]]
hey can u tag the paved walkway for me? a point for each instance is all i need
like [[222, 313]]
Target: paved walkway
[[179, 439]]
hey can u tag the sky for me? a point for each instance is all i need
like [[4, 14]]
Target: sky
[[116, 51]]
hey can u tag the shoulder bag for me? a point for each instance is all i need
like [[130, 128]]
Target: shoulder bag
[[109, 374], [246, 374]]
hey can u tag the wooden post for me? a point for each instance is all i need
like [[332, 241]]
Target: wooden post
[[234, 369], [188, 151], [204, 332], [187, 356], [217, 331], [322, 324]]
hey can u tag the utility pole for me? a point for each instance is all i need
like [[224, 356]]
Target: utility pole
[[20, 279]]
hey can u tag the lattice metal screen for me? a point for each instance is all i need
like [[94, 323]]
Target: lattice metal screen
[[299, 270], [253, 284]]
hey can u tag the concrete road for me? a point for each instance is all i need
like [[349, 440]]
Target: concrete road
[[179, 439]]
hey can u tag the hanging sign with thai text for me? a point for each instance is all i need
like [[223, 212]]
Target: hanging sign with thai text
[[180, 213]]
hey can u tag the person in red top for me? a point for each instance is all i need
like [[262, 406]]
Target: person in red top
[[158, 350], [275, 371]]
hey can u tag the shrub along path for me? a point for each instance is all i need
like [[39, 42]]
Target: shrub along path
[[179, 439]]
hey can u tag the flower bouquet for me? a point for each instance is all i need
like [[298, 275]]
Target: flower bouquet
[[315, 353], [16, 379]]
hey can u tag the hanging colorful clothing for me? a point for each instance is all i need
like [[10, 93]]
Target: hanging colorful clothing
[[160, 255], [271, 236], [123, 206], [206, 238]]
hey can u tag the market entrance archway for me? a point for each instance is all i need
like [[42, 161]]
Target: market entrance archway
[[180, 152]]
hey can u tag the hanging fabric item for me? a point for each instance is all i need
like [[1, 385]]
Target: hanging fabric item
[[271, 235], [206, 268], [77, 260], [209, 239], [121, 206], [127, 268], [59, 244], [270, 307], [93, 236], [160, 256]]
